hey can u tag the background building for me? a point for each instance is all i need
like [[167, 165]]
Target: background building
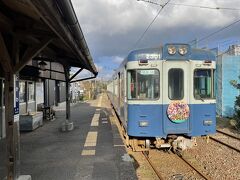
[[228, 68]]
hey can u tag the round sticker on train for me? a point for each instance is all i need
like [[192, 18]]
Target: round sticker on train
[[178, 111]]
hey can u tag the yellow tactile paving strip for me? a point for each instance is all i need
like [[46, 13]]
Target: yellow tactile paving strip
[[95, 120], [91, 139], [88, 152]]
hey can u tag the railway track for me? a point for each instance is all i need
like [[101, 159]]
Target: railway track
[[224, 143], [184, 160], [226, 134], [159, 175], [194, 167]]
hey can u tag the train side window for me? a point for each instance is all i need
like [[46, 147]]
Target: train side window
[[203, 84], [175, 84], [132, 84], [143, 84]]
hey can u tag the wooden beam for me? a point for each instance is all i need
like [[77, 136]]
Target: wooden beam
[[84, 79], [15, 50], [75, 74], [35, 33], [30, 40], [5, 23], [22, 7], [5, 59], [30, 53]]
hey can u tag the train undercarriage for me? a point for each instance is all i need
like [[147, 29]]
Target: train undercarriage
[[172, 142]]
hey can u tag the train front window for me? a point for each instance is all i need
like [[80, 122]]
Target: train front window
[[203, 84], [175, 84], [143, 84]]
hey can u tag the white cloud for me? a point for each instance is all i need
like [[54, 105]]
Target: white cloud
[[111, 27], [117, 59]]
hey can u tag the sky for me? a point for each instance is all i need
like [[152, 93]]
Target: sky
[[112, 27]]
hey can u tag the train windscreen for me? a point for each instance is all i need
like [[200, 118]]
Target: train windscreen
[[203, 84]]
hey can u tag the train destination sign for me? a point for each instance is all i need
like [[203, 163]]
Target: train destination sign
[[147, 72]]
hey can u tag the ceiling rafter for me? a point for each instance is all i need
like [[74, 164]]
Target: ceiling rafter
[[31, 52], [5, 57]]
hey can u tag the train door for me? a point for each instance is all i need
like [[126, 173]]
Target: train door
[[176, 77], [125, 104]]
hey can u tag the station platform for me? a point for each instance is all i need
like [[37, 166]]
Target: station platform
[[93, 150]]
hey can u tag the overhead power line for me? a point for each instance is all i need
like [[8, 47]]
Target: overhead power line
[[194, 6], [143, 34], [220, 30]]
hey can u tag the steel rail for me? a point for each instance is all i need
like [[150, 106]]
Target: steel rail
[[225, 144], [193, 167], [232, 136], [152, 165]]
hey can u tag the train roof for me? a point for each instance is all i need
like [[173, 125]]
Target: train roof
[[158, 53]]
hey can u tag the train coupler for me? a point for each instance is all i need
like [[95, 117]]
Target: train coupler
[[182, 143]]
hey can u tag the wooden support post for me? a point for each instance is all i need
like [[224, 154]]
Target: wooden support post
[[68, 114], [11, 107], [12, 128]]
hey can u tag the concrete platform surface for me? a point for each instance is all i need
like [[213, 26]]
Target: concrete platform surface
[[93, 150]]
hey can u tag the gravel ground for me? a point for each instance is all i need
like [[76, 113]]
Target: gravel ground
[[215, 160]]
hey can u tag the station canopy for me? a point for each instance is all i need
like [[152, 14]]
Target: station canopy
[[43, 32]]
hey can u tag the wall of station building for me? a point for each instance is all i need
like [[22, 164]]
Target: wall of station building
[[55, 92]]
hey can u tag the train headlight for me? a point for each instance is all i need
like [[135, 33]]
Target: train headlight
[[182, 50], [143, 123], [172, 50]]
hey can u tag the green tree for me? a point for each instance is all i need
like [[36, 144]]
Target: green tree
[[236, 84]]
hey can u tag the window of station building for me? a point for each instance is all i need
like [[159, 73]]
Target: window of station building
[[175, 84], [143, 84], [22, 91], [31, 91], [204, 83]]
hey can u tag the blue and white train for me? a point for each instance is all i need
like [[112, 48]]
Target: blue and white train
[[165, 97]]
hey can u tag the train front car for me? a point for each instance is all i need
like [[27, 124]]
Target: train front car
[[170, 96]]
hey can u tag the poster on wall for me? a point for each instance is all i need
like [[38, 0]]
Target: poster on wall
[[16, 98], [16, 94]]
